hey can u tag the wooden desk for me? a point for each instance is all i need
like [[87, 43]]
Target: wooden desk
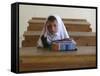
[[32, 58]]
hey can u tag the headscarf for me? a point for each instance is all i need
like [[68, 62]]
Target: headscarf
[[59, 35]]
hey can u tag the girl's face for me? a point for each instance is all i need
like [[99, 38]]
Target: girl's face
[[52, 27]]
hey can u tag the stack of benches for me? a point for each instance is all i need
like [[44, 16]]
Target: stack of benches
[[79, 30]]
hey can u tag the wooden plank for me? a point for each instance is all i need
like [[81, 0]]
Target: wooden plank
[[64, 19], [65, 22], [33, 58], [69, 27], [34, 51], [59, 63], [37, 33]]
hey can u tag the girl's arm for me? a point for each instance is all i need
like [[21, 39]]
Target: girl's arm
[[44, 41]]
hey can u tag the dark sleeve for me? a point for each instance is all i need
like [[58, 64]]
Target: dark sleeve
[[44, 41]]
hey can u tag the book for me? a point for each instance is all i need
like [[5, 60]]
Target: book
[[64, 45]]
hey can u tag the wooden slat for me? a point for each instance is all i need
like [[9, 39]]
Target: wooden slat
[[36, 33], [66, 22], [34, 51], [64, 19], [59, 63], [69, 27]]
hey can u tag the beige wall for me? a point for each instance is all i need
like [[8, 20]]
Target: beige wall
[[26, 12]]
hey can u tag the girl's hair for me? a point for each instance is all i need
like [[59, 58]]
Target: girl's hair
[[51, 18]]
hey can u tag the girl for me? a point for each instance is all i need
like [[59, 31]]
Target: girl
[[54, 29]]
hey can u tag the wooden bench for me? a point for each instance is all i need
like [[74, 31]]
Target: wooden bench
[[74, 25], [32, 58], [82, 38]]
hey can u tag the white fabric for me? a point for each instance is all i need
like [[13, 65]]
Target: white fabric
[[60, 34]]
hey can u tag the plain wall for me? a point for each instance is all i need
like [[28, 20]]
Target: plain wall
[[26, 12]]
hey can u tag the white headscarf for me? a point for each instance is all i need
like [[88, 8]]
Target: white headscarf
[[60, 34]]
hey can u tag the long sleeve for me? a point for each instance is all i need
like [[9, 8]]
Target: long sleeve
[[44, 41]]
